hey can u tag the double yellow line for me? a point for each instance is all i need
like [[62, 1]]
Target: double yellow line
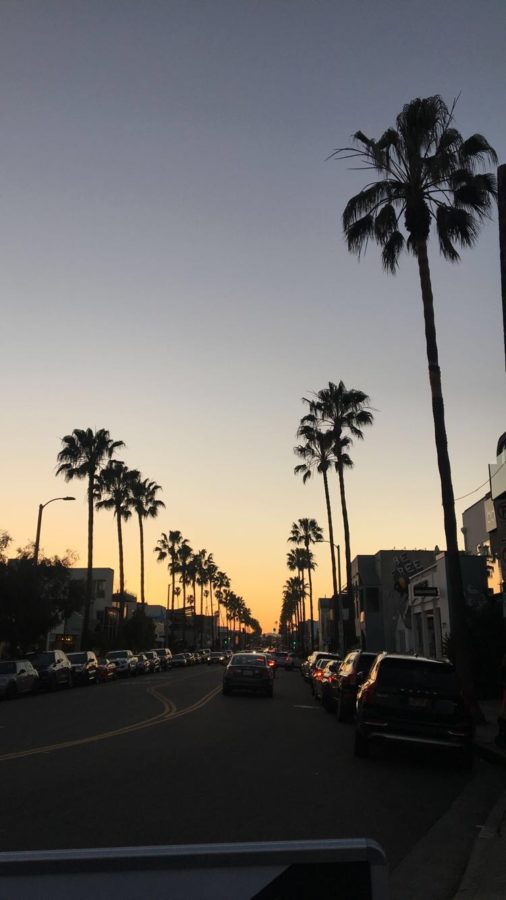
[[168, 713]]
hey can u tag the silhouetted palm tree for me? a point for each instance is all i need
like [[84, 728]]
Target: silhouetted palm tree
[[83, 455], [185, 553], [345, 413], [168, 546], [306, 532], [428, 176], [146, 506], [113, 490], [317, 451], [211, 571]]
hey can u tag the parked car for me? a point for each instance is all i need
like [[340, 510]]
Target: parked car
[[414, 700], [126, 662], [106, 669], [316, 673], [310, 662], [153, 660], [54, 668], [143, 665], [342, 687], [190, 659], [165, 657], [215, 658], [17, 676], [322, 673], [179, 659], [84, 667], [248, 672]]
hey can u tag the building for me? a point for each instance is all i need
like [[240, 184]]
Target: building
[[380, 587], [104, 613], [497, 474], [425, 626], [479, 527]]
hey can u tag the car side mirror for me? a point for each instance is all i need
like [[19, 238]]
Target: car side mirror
[[22, 672]]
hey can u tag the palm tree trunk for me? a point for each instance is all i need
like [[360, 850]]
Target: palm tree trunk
[[89, 571], [141, 533], [306, 542], [337, 605], [456, 599], [346, 529], [121, 568], [201, 615]]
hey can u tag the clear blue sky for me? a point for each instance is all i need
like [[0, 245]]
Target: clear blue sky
[[173, 266]]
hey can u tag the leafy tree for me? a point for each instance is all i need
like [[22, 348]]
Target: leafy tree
[[146, 505], [114, 490], [306, 532], [34, 599], [429, 178], [344, 413], [138, 632], [84, 453], [5, 540]]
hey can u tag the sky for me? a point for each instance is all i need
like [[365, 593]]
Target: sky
[[173, 269]]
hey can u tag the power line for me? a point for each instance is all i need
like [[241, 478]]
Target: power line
[[479, 486]]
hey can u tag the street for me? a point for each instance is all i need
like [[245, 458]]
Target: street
[[167, 759]]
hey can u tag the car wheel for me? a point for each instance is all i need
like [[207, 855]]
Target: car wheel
[[226, 691], [70, 682], [361, 746], [327, 705], [11, 692], [35, 687]]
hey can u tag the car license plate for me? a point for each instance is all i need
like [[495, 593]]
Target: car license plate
[[418, 702], [247, 672]]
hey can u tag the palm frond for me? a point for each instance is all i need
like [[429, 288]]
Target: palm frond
[[358, 234], [455, 225], [366, 201], [477, 150], [392, 249]]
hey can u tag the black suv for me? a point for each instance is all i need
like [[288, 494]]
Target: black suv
[[54, 668], [84, 667], [413, 700]]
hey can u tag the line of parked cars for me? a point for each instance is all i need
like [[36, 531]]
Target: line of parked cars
[[394, 698], [51, 669]]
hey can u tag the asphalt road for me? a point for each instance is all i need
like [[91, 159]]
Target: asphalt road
[[167, 759]]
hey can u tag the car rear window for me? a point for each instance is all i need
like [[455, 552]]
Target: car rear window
[[77, 657], [248, 660], [416, 674]]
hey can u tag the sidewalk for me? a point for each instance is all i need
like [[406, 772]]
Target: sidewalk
[[485, 875]]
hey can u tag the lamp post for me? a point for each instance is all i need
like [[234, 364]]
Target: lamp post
[[338, 619], [39, 524]]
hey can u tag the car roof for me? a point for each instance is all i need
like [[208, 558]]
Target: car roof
[[414, 658]]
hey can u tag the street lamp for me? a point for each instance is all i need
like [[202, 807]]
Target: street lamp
[[39, 523]]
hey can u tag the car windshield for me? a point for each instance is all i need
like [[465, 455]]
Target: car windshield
[[77, 657], [117, 654], [416, 674], [7, 668]]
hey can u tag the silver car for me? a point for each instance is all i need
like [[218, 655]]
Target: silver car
[[17, 676]]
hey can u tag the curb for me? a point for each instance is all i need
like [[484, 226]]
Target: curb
[[487, 864]]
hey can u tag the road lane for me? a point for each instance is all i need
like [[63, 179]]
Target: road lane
[[237, 768]]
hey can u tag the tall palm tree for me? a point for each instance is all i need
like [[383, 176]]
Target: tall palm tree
[[184, 555], [168, 546], [114, 490], [317, 453], [345, 412], [429, 177], [84, 453], [306, 532], [298, 561], [211, 571], [146, 505]]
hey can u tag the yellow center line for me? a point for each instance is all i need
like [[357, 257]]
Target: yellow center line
[[169, 712]]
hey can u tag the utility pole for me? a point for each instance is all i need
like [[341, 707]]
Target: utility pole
[[501, 204]]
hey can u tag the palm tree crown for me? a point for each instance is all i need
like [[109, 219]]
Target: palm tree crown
[[114, 490], [428, 175]]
